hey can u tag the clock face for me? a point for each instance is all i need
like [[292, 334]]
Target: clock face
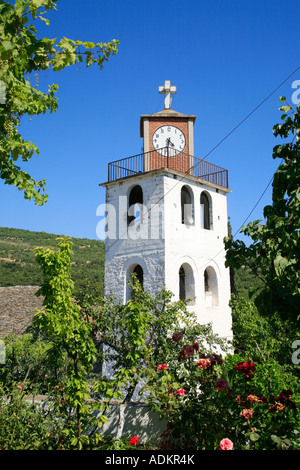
[[168, 140]]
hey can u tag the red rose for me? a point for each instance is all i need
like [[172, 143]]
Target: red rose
[[253, 398], [213, 358], [177, 336], [180, 392], [134, 441], [276, 407], [162, 366], [247, 413], [226, 444], [246, 368], [221, 384], [285, 395], [188, 350], [257, 399], [204, 363]]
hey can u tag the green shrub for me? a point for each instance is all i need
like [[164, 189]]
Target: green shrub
[[27, 360], [205, 399], [25, 426]]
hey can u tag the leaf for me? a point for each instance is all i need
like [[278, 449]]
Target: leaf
[[103, 418], [7, 45], [102, 408], [254, 436], [286, 108], [57, 62], [65, 43], [280, 263], [89, 45]]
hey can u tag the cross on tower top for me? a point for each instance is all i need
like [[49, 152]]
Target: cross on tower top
[[167, 89]]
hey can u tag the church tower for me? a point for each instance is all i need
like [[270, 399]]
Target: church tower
[[166, 217]]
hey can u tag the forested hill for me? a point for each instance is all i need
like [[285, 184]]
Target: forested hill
[[19, 268]]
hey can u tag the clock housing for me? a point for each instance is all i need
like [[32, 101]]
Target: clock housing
[[168, 121]]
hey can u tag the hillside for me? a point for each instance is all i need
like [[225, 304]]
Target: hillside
[[19, 268], [18, 265]]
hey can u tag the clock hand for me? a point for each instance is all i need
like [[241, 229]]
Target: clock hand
[[168, 142]]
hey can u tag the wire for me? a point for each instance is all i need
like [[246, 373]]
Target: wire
[[253, 111], [234, 129], [254, 206], [214, 148]]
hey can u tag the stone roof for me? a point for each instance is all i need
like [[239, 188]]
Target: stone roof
[[17, 305]]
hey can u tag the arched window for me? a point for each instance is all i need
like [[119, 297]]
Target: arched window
[[135, 203], [186, 283], [187, 210], [206, 286], [181, 284], [139, 274], [205, 211], [211, 287]]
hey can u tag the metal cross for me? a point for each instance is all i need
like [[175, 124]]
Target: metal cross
[[167, 89]]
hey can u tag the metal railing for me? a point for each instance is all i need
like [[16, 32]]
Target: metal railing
[[171, 159]]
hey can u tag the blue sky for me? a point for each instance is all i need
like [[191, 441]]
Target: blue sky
[[224, 57]]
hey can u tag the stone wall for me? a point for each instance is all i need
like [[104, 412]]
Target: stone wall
[[17, 306], [132, 419]]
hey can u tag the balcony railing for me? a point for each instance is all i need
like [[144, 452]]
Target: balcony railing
[[171, 159]]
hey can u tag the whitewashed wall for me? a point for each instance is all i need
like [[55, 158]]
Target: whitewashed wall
[[200, 249], [162, 243]]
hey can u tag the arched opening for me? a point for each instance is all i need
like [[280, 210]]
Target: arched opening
[[186, 283], [211, 287], [139, 274], [134, 273], [135, 203], [205, 211], [181, 284], [187, 209], [206, 286]]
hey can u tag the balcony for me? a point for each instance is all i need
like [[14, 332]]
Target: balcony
[[170, 159]]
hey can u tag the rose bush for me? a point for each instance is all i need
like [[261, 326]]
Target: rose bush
[[204, 397]]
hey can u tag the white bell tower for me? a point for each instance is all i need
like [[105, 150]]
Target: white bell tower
[[166, 217]]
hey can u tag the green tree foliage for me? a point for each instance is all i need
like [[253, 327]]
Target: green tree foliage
[[274, 254], [61, 321], [26, 361], [22, 54], [203, 397], [245, 282], [68, 332], [137, 334], [255, 336]]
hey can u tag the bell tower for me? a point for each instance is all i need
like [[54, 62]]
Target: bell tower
[[166, 217]]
